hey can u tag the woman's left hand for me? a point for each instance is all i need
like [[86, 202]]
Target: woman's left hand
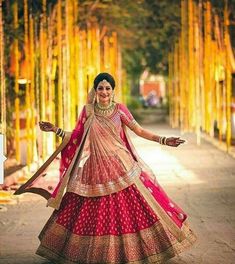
[[174, 141]]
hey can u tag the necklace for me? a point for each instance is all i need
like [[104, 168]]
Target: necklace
[[104, 110]]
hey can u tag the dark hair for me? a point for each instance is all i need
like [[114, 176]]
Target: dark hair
[[104, 76]]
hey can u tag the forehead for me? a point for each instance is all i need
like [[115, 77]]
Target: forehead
[[104, 83]]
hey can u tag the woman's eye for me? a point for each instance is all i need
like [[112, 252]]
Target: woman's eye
[[108, 88], [100, 88]]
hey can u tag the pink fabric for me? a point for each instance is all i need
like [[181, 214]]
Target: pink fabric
[[174, 211], [102, 172], [115, 214], [127, 118], [68, 152], [104, 159], [171, 208], [71, 147]]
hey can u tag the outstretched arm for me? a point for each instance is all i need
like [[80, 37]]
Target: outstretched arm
[[129, 121], [144, 133]]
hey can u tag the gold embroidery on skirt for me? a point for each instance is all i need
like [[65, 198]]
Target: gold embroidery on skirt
[[151, 245]]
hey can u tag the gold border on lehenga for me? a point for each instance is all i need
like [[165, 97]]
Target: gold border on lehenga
[[131, 242]]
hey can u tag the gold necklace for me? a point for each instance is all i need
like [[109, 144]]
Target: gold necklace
[[104, 110]]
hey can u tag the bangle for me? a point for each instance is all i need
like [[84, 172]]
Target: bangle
[[59, 132], [162, 140]]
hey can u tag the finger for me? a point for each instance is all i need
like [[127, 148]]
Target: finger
[[41, 124], [179, 139], [175, 139]]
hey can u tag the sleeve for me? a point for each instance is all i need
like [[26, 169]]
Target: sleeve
[[126, 117]]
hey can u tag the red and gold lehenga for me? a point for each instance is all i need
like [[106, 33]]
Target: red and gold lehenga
[[109, 207]]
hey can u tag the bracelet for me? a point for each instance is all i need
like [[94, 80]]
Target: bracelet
[[59, 132], [162, 140]]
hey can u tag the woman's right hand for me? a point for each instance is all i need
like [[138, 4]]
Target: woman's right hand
[[47, 126]]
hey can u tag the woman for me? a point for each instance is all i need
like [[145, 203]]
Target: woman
[[109, 208]]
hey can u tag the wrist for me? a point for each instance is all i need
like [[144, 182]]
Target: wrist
[[60, 132], [54, 129], [163, 140]]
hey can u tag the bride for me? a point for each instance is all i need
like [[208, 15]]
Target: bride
[[108, 205]]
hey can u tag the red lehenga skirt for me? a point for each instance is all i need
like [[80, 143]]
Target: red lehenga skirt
[[116, 228]]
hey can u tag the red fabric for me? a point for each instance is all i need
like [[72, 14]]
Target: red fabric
[[118, 213]]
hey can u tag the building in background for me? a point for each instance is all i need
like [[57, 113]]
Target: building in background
[[152, 89]]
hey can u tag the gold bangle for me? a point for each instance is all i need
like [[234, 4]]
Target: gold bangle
[[164, 140], [59, 132]]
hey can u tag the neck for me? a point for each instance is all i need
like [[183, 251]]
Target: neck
[[104, 104]]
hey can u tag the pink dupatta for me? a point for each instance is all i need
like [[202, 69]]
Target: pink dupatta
[[166, 209], [47, 180]]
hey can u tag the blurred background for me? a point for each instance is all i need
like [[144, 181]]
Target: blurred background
[[173, 62]]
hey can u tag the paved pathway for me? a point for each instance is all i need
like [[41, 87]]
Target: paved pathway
[[201, 179]]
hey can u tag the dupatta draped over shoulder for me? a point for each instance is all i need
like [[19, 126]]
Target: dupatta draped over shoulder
[[98, 158]]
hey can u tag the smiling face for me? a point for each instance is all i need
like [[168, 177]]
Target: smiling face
[[104, 92]]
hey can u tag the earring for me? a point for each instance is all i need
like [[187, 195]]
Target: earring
[[112, 97], [91, 96], [97, 98], [94, 98]]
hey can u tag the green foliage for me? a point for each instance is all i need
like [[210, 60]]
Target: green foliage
[[146, 30], [133, 103]]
